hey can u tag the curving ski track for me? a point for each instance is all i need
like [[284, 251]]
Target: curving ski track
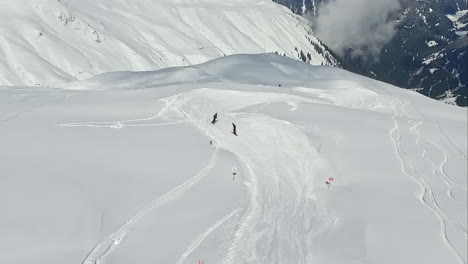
[[426, 195], [277, 193], [106, 246], [195, 244]]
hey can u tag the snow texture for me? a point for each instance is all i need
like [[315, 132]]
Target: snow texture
[[118, 169], [431, 43], [44, 42], [457, 24]]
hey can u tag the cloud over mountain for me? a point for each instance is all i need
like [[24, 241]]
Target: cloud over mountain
[[363, 25]]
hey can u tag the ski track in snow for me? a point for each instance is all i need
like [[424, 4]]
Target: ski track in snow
[[461, 153], [426, 195], [34, 107], [106, 246], [246, 238], [124, 123], [275, 193], [117, 124], [195, 244], [439, 170], [264, 232]]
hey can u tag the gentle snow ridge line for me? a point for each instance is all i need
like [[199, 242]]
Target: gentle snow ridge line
[[106, 246]]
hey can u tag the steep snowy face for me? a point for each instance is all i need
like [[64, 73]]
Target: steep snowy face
[[45, 41]]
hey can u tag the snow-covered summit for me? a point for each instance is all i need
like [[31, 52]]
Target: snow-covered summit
[[43, 42], [119, 169]]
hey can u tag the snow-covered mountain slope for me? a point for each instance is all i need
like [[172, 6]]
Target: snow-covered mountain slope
[[43, 42], [427, 53], [120, 169]]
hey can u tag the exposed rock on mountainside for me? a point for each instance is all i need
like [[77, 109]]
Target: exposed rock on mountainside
[[428, 52]]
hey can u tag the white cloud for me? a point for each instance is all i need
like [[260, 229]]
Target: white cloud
[[363, 25]]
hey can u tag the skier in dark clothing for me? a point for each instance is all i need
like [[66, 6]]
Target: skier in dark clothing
[[234, 130], [215, 118]]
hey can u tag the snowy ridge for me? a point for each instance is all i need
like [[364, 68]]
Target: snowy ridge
[[46, 42], [153, 189]]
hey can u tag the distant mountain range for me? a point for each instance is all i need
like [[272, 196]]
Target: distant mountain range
[[427, 54]]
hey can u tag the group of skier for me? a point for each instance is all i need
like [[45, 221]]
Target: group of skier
[[215, 120], [234, 131]]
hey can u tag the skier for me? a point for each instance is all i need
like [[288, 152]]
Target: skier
[[234, 130], [329, 182], [213, 143], [215, 118], [234, 173]]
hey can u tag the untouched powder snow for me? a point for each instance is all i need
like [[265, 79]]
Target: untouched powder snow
[[119, 169], [45, 42]]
